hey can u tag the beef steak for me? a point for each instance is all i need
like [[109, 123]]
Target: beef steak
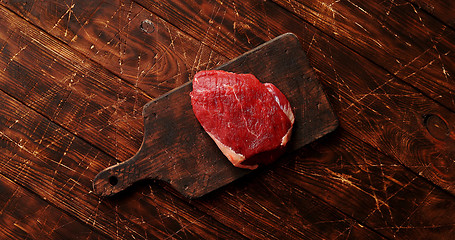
[[249, 121]]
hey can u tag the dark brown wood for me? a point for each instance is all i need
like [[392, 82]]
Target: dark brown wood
[[372, 29], [140, 209], [72, 91], [443, 10], [81, 71], [145, 214], [374, 106], [177, 150], [281, 211], [394, 34], [389, 115], [387, 197], [59, 167], [114, 35], [65, 164], [26, 216], [53, 142], [160, 213], [69, 89], [320, 52]]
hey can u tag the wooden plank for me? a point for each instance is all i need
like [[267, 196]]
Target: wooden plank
[[372, 105], [391, 116], [388, 197], [266, 207], [240, 208], [422, 56], [69, 89], [177, 150], [158, 213], [83, 97], [63, 166], [443, 10], [345, 173], [59, 167], [80, 95], [376, 33], [26, 216], [123, 37]]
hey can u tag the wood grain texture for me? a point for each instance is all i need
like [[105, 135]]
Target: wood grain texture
[[422, 58], [78, 94], [89, 101], [361, 192], [281, 211], [219, 24], [372, 105], [59, 167], [124, 38], [345, 173], [389, 198], [443, 10], [407, 42], [69, 89], [177, 150], [27, 216], [158, 213], [59, 153], [389, 115]]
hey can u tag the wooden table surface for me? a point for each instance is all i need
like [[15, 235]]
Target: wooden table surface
[[74, 76]]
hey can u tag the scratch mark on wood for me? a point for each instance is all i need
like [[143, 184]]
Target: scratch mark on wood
[[361, 9], [412, 213], [369, 93], [68, 11], [14, 56]]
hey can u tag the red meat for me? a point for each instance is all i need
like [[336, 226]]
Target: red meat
[[249, 121]]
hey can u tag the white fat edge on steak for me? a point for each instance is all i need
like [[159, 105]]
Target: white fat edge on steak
[[290, 115], [286, 108], [235, 158]]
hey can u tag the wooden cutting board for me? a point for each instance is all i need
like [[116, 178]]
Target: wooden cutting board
[[177, 150]]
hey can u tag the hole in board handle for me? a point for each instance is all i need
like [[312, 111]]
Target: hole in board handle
[[113, 180]]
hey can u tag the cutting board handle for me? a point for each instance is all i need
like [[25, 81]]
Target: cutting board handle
[[120, 176]]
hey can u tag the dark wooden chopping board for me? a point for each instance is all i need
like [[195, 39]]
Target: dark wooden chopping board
[[177, 150]]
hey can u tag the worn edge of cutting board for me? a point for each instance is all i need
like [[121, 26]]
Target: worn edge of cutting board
[[177, 150]]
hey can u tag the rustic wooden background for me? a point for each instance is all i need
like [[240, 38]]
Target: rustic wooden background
[[74, 76]]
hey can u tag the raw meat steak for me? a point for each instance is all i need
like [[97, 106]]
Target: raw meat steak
[[249, 121]]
